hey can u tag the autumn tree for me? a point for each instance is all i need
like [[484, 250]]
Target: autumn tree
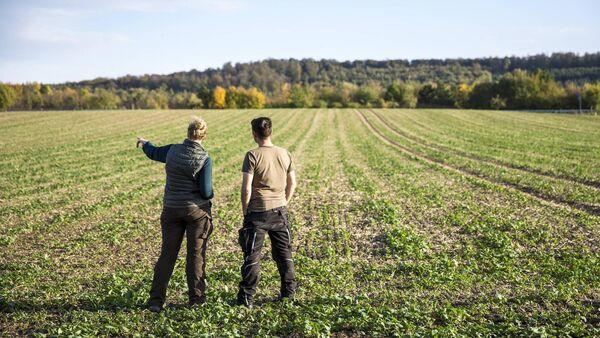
[[591, 95], [462, 93], [7, 96], [219, 95], [103, 99], [234, 98], [256, 99], [300, 96]]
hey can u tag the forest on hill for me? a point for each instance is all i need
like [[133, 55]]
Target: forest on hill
[[556, 81], [269, 75]]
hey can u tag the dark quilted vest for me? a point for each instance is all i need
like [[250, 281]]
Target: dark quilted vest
[[184, 162]]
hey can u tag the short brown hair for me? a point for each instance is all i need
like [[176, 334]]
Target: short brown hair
[[262, 127], [197, 129]]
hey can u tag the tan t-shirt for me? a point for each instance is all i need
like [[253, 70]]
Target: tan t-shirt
[[270, 166]]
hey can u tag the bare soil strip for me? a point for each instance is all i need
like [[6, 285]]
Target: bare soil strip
[[557, 201], [573, 158], [435, 146]]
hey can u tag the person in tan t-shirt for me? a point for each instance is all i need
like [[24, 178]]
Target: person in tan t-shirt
[[269, 166], [268, 184]]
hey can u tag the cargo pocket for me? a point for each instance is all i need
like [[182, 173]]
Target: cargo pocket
[[286, 225], [208, 228], [202, 219], [247, 240], [283, 214]]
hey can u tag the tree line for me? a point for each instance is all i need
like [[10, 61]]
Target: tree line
[[488, 83], [269, 75], [518, 89], [35, 96]]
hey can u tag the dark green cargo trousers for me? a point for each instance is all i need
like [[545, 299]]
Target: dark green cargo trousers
[[196, 224], [275, 223]]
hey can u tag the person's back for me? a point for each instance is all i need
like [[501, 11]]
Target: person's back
[[183, 163], [270, 166], [268, 184], [186, 211]]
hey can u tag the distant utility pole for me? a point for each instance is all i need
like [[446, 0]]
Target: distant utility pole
[[579, 100]]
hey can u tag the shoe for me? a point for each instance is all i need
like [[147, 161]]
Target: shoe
[[287, 293], [244, 300], [197, 302], [155, 308], [283, 297]]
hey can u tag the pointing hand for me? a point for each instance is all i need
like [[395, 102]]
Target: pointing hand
[[140, 141]]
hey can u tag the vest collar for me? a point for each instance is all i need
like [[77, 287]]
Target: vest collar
[[193, 144]]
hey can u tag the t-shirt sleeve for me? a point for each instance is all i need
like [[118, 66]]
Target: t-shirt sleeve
[[291, 167], [249, 163]]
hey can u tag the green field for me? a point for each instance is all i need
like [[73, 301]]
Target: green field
[[405, 222]]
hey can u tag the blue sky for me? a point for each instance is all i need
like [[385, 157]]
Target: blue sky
[[66, 40]]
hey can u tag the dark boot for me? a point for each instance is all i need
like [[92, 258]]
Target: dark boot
[[197, 301], [244, 300], [155, 308]]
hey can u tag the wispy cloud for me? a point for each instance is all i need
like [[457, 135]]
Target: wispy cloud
[[171, 6], [68, 36], [62, 26], [62, 21]]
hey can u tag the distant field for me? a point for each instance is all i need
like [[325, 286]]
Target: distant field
[[418, 222]]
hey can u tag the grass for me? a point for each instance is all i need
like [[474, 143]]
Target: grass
[[405, 222]]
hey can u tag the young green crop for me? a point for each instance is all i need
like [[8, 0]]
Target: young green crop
[[418, 238]]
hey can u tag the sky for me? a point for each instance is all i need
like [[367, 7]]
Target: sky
[[53, 41]]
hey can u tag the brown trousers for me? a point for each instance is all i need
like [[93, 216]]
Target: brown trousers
[[196, 223]]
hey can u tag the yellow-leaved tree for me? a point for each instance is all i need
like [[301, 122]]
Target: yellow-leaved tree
[[219, 96], [257, 98], [462, 95]]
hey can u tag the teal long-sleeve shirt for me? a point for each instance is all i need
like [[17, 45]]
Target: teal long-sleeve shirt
[[203, 178]]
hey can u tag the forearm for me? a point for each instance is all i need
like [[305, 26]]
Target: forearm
[[246, 191], [245, 200], [289, 192], [290, 186], [156, 153], [204, 180]]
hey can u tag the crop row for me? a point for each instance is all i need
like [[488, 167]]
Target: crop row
[[569, 154], [386, 240], [552, 189]]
